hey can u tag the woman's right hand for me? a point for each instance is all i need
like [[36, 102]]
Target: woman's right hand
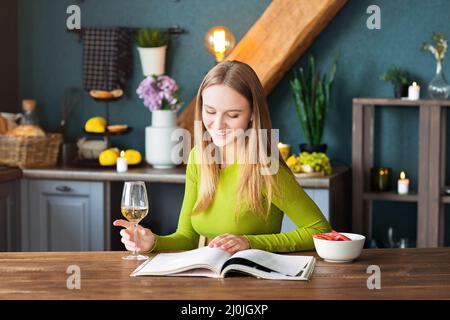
[[145, 238]]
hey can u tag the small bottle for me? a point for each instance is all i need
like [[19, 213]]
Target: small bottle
[[122, 163], [29, 112]]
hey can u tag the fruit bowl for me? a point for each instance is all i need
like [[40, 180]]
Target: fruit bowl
[[340, 251], [310, 174], [90, 149], [106, 96], [110, 133], [307, 165], [113, 99]]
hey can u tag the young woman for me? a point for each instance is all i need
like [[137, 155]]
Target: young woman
[[235, 202]]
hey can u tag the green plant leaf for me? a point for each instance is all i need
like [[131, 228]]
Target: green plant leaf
[[333, 69], [299, 105], [396, 76], [320, 108], [150, 38], [311, 94]]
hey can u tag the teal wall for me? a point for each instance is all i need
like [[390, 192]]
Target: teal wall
[[51, 60]]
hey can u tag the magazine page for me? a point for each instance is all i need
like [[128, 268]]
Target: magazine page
[[289, 265], [198, 272], [166, 263], [256, 271]]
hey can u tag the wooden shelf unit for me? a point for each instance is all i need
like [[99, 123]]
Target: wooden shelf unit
[[390, 196], [432, 160]]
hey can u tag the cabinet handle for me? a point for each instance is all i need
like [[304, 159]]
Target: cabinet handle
[[63, 188]]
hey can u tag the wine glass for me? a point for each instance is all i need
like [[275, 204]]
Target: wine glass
[[134, 207]]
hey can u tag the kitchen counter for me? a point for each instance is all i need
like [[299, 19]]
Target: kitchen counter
[[145, 173], [405, 274], [9, 174], [87, 191], [149, 174]]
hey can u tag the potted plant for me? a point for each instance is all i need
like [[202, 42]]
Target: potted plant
[[152, 47], [438, 87], [399, 78], [161, 95], [311, 93]]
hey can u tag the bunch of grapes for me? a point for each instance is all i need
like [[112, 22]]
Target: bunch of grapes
[[317, 161]]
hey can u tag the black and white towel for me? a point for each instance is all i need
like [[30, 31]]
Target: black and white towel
[[107, 58]]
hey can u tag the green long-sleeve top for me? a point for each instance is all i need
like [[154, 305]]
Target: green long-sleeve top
[[219, 218]]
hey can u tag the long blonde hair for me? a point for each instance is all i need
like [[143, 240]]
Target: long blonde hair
[[243, 79]]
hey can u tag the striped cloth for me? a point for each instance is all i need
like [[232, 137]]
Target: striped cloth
[[107, 58]]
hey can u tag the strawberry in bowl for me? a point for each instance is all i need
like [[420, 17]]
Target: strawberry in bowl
[[333, 235], [338, 246]]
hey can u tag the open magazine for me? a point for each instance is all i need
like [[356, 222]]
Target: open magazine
[[217, 263]]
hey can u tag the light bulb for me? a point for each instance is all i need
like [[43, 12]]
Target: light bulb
[[219, 41]]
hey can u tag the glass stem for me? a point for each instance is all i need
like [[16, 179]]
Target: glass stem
[[135, 239]]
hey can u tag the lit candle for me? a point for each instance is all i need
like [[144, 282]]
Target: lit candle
[[122, 164], [414, 91], [381, 179], [403, 184]]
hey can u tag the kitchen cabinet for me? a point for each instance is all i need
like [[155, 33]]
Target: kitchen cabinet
[[323, 200], [62, 215], [9, 216], [332, 194], [320, 197]]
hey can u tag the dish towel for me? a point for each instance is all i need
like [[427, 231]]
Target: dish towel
[[107, 58]]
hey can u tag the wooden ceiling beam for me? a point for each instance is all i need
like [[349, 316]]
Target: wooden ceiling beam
[[276, 41]]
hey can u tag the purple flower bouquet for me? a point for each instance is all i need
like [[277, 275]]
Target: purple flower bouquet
[[160, 93]]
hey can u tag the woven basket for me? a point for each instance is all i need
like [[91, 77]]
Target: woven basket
[[30, 152]]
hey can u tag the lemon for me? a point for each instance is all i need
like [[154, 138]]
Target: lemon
[[108, 157], [291, 161], [96, 125], [133, 156]]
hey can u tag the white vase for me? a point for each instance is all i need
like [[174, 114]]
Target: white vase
[[153, 60], [158, 139]]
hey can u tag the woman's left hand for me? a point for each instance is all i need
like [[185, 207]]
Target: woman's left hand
[[230, 243]]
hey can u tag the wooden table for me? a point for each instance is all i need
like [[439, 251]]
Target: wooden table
[[405, 274]]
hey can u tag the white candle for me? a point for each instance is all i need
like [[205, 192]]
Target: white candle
[[403, 184], [122, 164], [414, 91]]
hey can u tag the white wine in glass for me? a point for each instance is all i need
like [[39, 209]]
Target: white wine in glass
[[134, 214], [134, 208]]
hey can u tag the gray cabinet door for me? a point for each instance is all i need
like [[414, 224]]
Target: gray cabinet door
[[63, 215], [321, 197], [9, 216]]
